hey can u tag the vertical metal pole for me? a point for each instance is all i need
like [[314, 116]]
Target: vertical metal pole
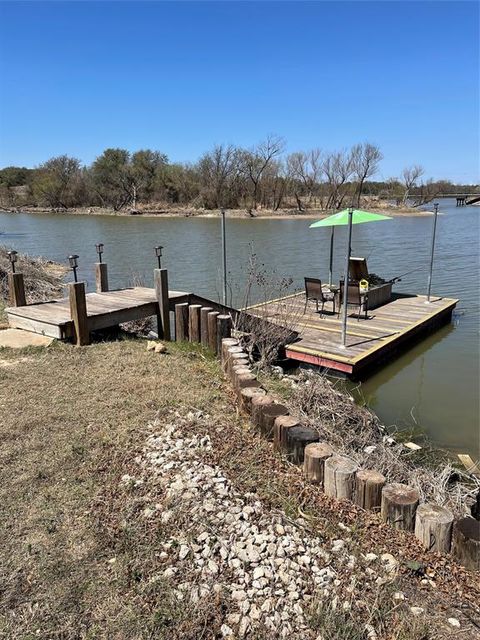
[[224, 258], [435, 206], [345, 282], [330, 273]]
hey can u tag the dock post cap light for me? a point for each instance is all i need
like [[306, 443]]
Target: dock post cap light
[[99, 248], [73, 261], [435, 206], [158, 253], [12, 256]]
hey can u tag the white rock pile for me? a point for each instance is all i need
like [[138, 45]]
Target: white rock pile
[[266, 566]]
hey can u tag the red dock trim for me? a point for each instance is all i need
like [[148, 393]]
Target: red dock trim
[[319, 361]]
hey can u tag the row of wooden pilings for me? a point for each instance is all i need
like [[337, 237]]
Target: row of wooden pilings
[[337, 475]]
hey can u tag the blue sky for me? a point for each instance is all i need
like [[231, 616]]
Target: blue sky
[[77, 77]]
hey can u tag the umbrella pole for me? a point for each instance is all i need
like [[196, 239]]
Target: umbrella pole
[[224, 258], [345, 282], [432, 252], [330, 274]]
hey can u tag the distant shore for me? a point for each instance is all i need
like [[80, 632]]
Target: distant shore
[[190, 212]]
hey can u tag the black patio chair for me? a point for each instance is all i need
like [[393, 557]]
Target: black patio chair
[[314, 291], [355, 298]]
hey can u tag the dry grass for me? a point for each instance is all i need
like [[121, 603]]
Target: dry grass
[[71, 423], [78, 560]]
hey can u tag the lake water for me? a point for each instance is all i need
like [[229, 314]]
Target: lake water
[[433, 386]]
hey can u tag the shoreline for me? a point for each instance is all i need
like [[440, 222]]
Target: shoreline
[[241, 214]]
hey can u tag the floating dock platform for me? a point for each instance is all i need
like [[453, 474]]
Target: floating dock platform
[[370, 342]]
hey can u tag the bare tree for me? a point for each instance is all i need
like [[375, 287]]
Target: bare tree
[[410, 176], [337, 168], [218, 168], [365, 159], [254, 163], [305, 168]]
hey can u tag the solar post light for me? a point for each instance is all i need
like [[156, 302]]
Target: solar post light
[[158, 253], [73, 261], [12, 256], [99, 248]]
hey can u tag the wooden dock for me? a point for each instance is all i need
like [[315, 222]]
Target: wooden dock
[[106, 309], [370, 341]]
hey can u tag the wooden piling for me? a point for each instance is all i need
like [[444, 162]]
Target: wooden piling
[[466, 542], [297, 439], [78, 313], [368, 492], [280, 428], [101, 277], [433, 527], [194, 322], [246, 396], [224, 330], [204, 311], [226, 343], [212, 330], [16, 290], [258, 402], [399, 503], [339, 479], [181, 322], [160, 278], [315, 455]]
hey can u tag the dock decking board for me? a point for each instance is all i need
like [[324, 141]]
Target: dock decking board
[[104, 310], [369, 341]]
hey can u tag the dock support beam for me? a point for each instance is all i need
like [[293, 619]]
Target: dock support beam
[[78, 312], [160, 277], [101, 277], [16, 290]]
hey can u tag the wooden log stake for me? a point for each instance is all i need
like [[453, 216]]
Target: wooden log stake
[[224, 330], [245, 380], [233, 353], [433, 527], [160, 279], [194, 322], [181, 322], [269, 414], [226, 343], [237, 371], [399, 503], [101, 277], [466, 542], [78, 313], [297, 439], [316, 453], [16, 290], [204, 311], [280, 428], [246, 396], [258, 402], [368, 492], [212, 330], [339, 480]]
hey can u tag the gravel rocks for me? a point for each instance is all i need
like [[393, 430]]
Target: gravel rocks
[[268, 568]]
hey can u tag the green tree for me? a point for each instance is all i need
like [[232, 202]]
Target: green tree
[[58, 182]]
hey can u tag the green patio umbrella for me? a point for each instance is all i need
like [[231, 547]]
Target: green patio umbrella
[[343, 218]]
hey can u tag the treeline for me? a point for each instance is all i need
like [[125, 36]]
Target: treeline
[[226, 176]]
